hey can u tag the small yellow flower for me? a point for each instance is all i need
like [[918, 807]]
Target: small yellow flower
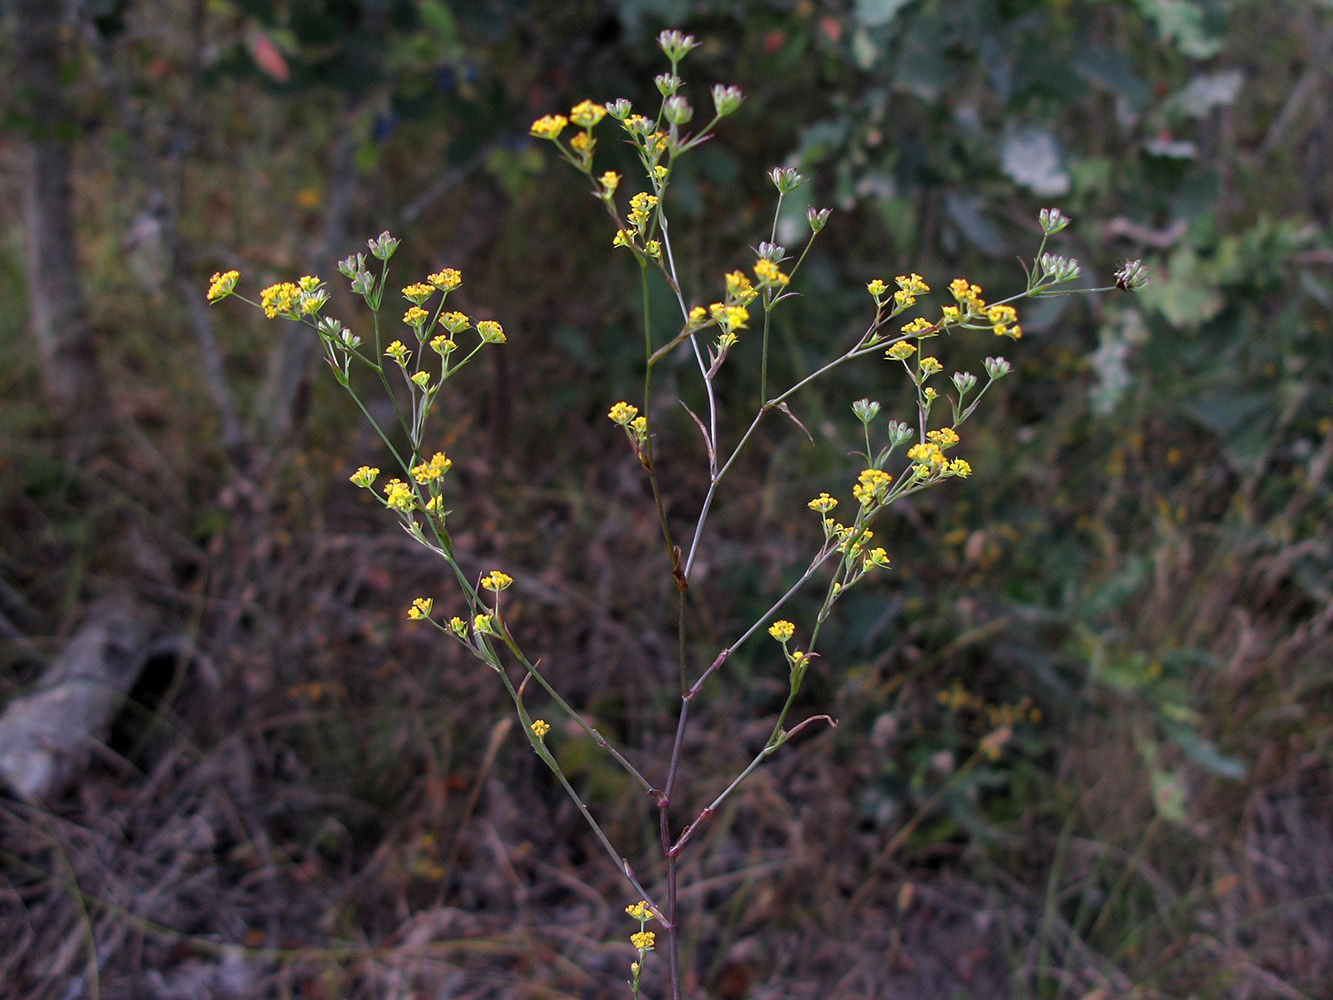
[[739, 289], [482, 624], [876, 288], [496, 581], [640, 210], [441, 344], [639, 911], [415, 316], [871, 486], [279, 299], [421, 380], [782, 630], [540, 727], [448, 279], [822, 503], [610, 181], [222, 285], [945, 437], [918, 325], [429, 472], [643, 940], [364, 476], [622, 413], [729, 317], [769, 273], [959, 467], [417, 292], [930, 366], [587, 114], [549, 126], [900, 351], [398, 496], [420, 609], [912, 284], [455, 322], [490, 332], [458, 626], [398, 352]]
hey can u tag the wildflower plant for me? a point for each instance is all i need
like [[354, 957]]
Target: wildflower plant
[[432, 342]]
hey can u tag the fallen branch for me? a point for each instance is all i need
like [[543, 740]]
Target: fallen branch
[[47, 735]]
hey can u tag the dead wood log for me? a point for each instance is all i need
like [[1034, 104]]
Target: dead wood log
[[47, 735]]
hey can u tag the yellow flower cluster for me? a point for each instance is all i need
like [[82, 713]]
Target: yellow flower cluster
[[448, 279], [769, 273], [398, 352], [967, 295], [640, 210], [739, 290], [1004, 321], [909, 287], [587, 114], [639, 911], [729, 317], [622, 413], [398, 496], [900, 351], [222, 285], [279, 299], [496, 581], [364, 476], [822, 503], [549, 126], [415, 316], [872, 485], [540, 727], [418, 292], [782, 630], [433, 470], [490, 332], [455, 322], [945, 437], [420, 609]]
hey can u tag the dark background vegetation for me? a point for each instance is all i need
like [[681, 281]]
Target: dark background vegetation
[[309, 797]]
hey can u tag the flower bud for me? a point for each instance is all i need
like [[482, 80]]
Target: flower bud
[[785, 179], [1052, 220], [726, 99]]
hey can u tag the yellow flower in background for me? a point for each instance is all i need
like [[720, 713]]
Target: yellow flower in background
[[587, 114], [549, 126], [222, 285]]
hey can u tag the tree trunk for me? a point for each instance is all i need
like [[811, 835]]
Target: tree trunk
[[57, 312]]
